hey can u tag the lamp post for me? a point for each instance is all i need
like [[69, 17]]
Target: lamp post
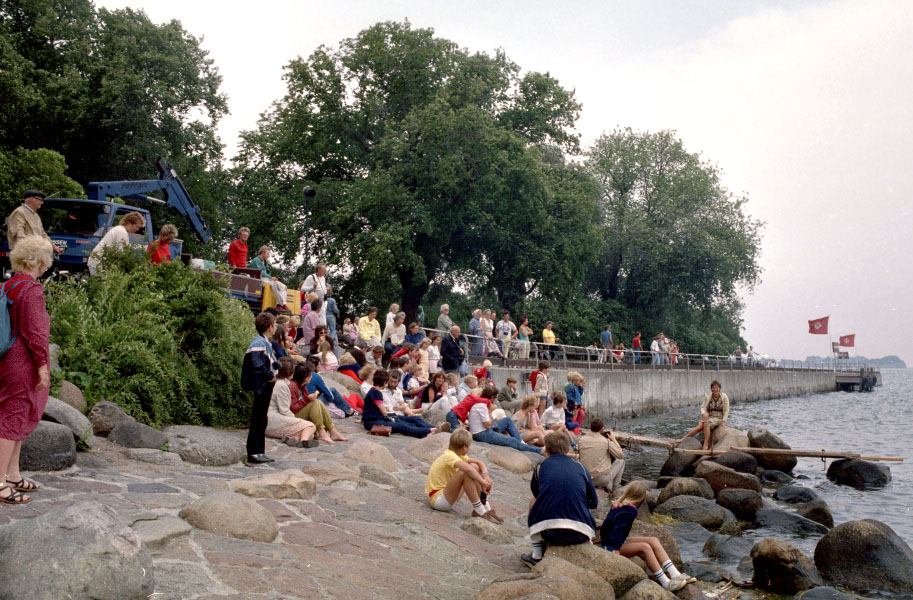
[[309, 193]]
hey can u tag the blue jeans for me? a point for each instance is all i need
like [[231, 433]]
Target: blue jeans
[[338, 401], [637, 357], [454, 420], [495, 436], [657, 358], [403, 425]]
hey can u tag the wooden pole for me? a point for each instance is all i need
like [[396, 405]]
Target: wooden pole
[[791, 452]]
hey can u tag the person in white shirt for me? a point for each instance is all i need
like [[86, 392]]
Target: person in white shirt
[[316, 282], [394, 310], [553, 418], [487, 430], [395, 404], [467, 387], [507, 331], [118, 235]]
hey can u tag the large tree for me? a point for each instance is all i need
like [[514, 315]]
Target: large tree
[[428, 166]]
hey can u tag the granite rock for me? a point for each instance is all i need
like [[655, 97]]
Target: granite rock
[[232, 515]]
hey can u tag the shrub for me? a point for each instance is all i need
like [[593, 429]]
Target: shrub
[[164, 342]]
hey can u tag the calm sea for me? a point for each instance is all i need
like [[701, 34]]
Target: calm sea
[[879, 423]]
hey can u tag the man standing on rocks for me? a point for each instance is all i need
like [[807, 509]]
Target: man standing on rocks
[[602, 456], [258, 375]]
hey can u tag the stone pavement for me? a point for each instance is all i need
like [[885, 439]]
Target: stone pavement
[[365, 533]]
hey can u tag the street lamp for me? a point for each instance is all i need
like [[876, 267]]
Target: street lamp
[[309, 193]]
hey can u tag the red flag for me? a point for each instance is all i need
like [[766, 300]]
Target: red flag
[[848, 340], [818, 326]]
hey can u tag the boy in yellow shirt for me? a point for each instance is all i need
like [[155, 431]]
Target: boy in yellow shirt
[[453, 473]]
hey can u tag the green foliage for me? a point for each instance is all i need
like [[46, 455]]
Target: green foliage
[[163, 342], [39, 169]]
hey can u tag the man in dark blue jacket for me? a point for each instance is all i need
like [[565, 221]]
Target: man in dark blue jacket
[[258, 375], [451, 352], [564, 494]]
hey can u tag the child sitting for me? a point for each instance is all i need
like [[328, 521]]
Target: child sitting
[[453, 473], [564, 495], [613, 536], [553, 417], [328, 360], [527, 421]]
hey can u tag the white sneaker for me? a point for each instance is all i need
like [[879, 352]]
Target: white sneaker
[[685, 577], [675, 585]]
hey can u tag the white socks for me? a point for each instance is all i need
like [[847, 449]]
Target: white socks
[[479, 508], [670, 569], [662, 579], [537, 550]]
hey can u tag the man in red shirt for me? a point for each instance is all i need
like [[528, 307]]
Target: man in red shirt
[[159, 250], [237, 250]]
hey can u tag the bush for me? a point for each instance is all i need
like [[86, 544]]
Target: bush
[[164, 342]]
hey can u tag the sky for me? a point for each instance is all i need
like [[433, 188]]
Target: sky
[[807, 107]]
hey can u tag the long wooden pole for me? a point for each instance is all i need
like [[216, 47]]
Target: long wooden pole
[[791, 452]]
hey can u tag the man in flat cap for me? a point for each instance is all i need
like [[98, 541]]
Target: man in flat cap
[[25, 220]]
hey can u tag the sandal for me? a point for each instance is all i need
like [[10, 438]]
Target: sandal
[[15, 497], [23, 485]]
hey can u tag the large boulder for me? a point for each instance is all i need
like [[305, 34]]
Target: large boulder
[[80, 550], [795, 494], [514, 461], [105, 416], [861, 474], [685, 486], [350, 385], [728, 547], [759, 437], [290, 484], [365, 452], [670, 545], [738, 461], [774, 477], [721, 478], [429, 448], [328, 473], [725, 437], [781, 568], [50, 447], [70, 394], [818, 511], [866, 555], [435, 416], [205, 446], [131, 434], [621, 572], [774, 518], [232, 515], [743, 503], [678, 462], [486, 530], [704, 512], [649, 590], [551, 578], [58, 411]]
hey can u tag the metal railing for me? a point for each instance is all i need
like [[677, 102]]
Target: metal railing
[[590, 357]]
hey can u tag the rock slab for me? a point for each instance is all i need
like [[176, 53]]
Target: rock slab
[[787, 521], [818, 511], [551, 578], [743, 503], [50, 447], [781, 568], [860, 474], [619, 571], [232, 515], [155, 457], [866, 555], [131, 434], [720, 477], [795, 494], [158, 532], [649, 590], [61, 412], [738, 461], [204, 446], [486, 530], [429, 448], [366, 452], [289, 484], [704, 512], [759, 437], [78, 551], [678, 462], [686, 486], [72, 395], [510, 459], [105, 415]]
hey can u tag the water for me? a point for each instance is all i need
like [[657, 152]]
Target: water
[[875, 424]]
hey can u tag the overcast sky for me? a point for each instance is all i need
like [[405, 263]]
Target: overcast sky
[[806, 106]]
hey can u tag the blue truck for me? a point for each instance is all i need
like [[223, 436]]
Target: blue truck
[[78, 225]]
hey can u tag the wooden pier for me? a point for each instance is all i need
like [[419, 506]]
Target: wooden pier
[[863, 379]]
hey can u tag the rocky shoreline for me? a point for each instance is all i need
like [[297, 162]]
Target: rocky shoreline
[[175, 514]]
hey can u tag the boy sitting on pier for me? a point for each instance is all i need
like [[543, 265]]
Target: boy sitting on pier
[[453, 473], [564, 495]]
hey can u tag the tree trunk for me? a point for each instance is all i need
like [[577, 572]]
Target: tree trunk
[[412, 298]]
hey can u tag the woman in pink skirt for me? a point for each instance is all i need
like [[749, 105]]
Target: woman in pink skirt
[[281, 422], [24, 374]]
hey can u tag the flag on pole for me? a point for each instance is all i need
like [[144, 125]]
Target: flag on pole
[[848, 340], [818, 326]]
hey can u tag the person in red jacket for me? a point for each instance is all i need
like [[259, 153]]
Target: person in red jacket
[[159, 251], [237, 250]]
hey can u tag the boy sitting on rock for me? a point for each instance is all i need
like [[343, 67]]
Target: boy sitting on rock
[[564, 494], [453, 473]]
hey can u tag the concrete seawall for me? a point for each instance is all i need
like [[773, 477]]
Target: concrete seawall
[[627, 393]]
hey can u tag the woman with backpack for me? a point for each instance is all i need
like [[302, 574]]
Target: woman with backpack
[[25, 361]]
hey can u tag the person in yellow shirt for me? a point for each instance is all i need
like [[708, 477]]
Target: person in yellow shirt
[[453, 473], [369, 329], [549, 340]]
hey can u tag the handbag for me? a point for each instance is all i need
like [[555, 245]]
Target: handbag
[[383, 430]]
